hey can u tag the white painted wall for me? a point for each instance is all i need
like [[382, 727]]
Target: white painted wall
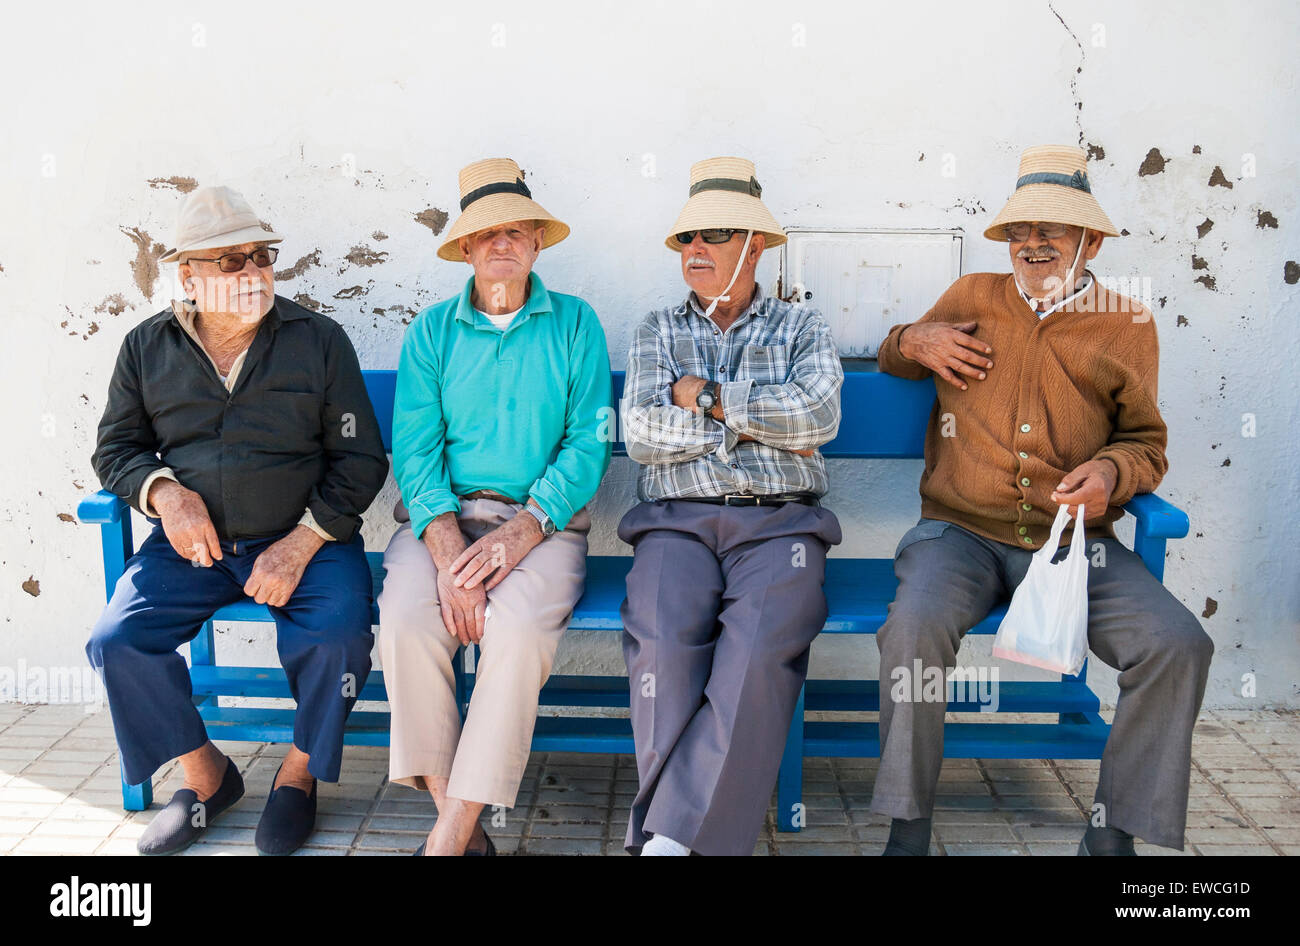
[[849, 110]]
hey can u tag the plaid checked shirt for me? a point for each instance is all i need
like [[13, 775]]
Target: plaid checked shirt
[[780, 374]]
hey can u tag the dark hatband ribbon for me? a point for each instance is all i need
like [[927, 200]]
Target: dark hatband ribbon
[[500, 187], [1078, 180], [750, 187]]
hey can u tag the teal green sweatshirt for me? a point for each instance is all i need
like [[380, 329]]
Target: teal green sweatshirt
[[523, 412]]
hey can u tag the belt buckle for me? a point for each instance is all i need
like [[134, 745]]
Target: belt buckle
[[727, 497]]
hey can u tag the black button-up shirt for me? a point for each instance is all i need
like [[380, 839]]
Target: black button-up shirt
[[297, 431]]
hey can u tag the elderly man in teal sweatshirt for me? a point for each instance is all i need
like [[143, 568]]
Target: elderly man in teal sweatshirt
[[501, 435]]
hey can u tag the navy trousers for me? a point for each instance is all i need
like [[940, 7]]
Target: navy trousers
[[162, 601]]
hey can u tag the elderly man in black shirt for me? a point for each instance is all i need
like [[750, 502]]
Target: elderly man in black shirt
[[240, 420]]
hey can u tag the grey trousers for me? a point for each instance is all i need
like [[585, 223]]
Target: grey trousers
[[949, 579], [722, 605]]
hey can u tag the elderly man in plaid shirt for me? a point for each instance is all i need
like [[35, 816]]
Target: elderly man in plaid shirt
[[728, 397]]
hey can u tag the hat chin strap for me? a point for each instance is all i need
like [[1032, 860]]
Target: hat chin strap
[[1069, 274], [749, 235]]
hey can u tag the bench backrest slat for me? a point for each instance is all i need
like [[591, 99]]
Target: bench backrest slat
[[882, 416]]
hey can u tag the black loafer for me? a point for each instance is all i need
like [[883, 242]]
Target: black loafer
[[287, 821], [489, 851], [184, 819]]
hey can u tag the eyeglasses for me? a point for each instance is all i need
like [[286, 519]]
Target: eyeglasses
[[262, 257], [712, 235], [1019, 232]]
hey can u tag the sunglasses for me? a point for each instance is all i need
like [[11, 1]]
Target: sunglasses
[[713, 235], [1019, 232], [234, 262]]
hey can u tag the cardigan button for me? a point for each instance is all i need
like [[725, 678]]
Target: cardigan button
[[1023, 455], [1026, 507], [1025, 428], [1023, 529], [1028, 540], [1024, 481]]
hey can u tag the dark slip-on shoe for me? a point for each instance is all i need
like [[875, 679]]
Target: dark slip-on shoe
[[287, 821], [489, 851], [184, 819]]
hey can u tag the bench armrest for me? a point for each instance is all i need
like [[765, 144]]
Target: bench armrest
[[114, 520], [1157, 520], [102, 508]]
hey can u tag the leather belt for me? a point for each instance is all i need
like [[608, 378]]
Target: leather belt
[[747, 499], [489, 494]]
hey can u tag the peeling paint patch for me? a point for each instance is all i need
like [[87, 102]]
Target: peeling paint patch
[[266, 226], [32, 587], [1096, 152], [1265, 219], [1291, 272], [307, 302], [1153, 163], [1123, 231], [1198, 263], [1196, 149], [1204, 228], [1210, 607], [365, 256], [67, 517], [113, 305], [297, 269], [1182, 320], [144, 268], [1163, 300], [351, 292], [1207, 282], [1217, 178], [1227, 461], [182, 184], [379, 235], [94, 327], [921, 158], [433, 218]]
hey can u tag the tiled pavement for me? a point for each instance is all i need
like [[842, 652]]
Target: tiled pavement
[[59, 794]]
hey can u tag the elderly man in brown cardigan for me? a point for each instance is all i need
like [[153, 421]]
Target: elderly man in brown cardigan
[[1046, 396]]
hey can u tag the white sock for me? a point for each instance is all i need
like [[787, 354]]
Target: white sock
[[663, 846]]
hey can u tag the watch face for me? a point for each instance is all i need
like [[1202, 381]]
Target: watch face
[[705, 400]]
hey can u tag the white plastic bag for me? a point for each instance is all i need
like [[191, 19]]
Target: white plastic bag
[[1047, 621]]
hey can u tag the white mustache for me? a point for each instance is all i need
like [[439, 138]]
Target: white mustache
[[697, 261]]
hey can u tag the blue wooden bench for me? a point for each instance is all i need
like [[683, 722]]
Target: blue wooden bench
[[883, 417]]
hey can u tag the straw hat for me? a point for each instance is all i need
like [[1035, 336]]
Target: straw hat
[[493, 192], [1052, 187], [216, 216], [725, 193]]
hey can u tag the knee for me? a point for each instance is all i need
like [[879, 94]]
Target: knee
[[111, 635], [1188, 643], [919, 630]]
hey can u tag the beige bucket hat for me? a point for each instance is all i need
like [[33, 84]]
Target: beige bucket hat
[[725, 193], [493, 192], [213, 217], [1052, 187]]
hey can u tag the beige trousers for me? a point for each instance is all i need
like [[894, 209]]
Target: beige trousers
[[526, 617]]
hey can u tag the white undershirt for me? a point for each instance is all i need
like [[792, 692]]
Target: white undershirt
[[1085, 281], [500, 321]]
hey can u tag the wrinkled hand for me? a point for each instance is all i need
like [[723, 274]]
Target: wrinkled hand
[[948, 349], [686, 389], [497, 552], [464, 610], [277, 571], [185, 521], [1089, 485]]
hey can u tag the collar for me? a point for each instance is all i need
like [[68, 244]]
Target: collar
[[538, 301], [755, 306], [1084, 284]]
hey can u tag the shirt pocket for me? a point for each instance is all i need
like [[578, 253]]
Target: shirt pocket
[[765, 364], [292, 418]]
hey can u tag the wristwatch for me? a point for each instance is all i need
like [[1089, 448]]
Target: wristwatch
[[548, 527], [708, 397]]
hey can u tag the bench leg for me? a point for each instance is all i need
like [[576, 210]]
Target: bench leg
[[790, 812], [137, 797]]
